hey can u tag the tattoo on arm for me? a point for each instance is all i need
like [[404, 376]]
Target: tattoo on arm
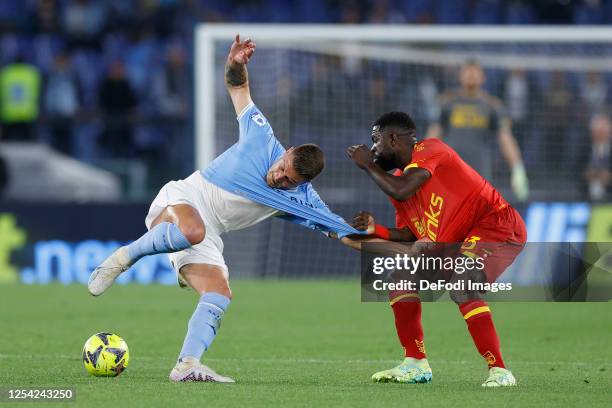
[[235, 75]]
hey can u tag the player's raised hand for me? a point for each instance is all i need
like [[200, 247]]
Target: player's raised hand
[[361, 155], [241, 51], [364, 221]]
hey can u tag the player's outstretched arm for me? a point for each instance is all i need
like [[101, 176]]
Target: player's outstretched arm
[[236, 75], [390, 248], [364, 221], [355, 241]]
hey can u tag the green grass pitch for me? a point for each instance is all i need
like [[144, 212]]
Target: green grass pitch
[[300, 343]]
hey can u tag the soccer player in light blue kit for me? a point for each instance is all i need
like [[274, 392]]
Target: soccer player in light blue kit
[[254, 179]]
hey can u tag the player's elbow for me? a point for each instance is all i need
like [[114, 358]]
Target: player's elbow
[[401, 194]]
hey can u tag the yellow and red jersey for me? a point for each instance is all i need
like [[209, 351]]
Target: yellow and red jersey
[[448, 205]]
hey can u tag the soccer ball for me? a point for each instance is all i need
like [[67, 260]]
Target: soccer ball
[[105, 355]]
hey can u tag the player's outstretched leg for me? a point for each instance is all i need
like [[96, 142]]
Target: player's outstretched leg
[[477, 315], [415, 368], [210, 282], [164, 236]]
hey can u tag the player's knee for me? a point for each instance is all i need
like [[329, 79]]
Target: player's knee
[[217, 287], [194, 233], [226, 291]]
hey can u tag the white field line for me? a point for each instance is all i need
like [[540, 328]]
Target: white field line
[[306, 360]]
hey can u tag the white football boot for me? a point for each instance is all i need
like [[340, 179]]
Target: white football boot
[[410, 371], [105, 274], [499, 377], [190, 369]]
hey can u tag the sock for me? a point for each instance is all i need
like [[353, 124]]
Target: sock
[[163, 238], [477, 315], [407, 310], [204, 324]]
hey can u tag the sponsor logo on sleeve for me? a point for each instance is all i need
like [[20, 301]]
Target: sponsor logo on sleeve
[[258, 118]]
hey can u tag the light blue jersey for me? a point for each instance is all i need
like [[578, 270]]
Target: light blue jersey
[[242, 170]]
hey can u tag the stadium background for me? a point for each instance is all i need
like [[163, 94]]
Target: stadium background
[[112, 117]]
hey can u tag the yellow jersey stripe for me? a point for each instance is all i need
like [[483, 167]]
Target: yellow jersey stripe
[[478, 310], [404, 296], [469, 254], [411, 166]]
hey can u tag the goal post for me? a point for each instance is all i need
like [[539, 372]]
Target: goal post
[[325, 84]]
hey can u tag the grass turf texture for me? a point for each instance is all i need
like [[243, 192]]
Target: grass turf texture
[[300, 344]]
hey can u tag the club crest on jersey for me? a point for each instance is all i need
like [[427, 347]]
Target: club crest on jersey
[[258, 118], [419, 227]]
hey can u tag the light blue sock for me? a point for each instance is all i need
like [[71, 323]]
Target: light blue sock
[[204, 324], [162, 238]]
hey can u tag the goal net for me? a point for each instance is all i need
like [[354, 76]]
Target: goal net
[[327, 84]]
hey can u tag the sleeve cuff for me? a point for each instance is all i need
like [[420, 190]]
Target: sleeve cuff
[[243, 111], [382, 232]]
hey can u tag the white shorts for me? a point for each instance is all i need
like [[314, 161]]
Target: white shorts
[[191, 191]]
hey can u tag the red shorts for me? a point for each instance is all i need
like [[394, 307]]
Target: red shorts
[[498, 238]]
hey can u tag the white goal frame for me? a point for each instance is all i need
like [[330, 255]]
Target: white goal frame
[[207, 34]]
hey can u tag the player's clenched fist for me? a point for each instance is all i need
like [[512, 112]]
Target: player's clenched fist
[[241, 52], [364, 221], [361, 155]]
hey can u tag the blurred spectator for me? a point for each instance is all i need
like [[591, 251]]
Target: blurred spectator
[[84, 22], [520, 12], [139, 57], [379, 96], [19, 100], [4, 176], [416, 11], [589, 12], [45, 17], [593, 92], [451, 12], [557, 117], [486, 12], [517, 100], [428, 94], [118, 103], [317, 95], [599, 165], [61, 102], [171, 84], [554, 11], [517, 94], [13, 14], [351, 12], [475, 124], [98, 32], [382, 14]]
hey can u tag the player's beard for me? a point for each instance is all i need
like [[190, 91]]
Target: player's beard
[[386, 163]]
